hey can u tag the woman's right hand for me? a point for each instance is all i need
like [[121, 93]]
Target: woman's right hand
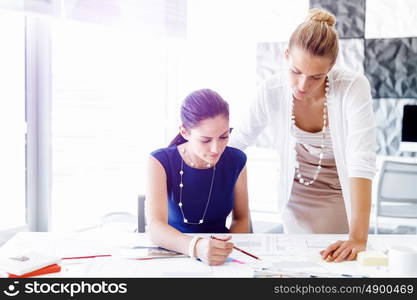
[[213, 252]]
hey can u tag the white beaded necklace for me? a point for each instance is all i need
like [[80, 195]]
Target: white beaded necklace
[[325, 110], [181, 185]]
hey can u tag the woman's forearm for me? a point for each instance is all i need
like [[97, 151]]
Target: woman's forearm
[[168, 237], [361, 195]]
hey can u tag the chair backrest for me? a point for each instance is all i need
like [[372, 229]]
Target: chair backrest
[[250, 229], [141, 213], [397, 184]]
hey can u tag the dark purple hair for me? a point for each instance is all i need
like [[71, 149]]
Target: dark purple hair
[[198, 106]]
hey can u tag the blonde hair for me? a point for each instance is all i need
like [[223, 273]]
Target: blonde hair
[[317, 35]]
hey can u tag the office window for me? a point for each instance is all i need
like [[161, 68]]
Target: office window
[[12, 121], [108, 114]]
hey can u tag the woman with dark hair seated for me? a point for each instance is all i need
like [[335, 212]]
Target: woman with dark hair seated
[[197, 181]]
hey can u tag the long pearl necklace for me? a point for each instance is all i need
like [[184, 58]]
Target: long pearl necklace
[[325, 110], [181, 204]]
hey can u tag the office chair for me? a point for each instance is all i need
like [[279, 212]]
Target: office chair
[[397, 191], [142, 217], [141, 214]]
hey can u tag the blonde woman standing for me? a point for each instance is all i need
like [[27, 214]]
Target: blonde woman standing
[[324, 129]]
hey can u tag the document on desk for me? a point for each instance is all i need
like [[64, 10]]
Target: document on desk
[[171, 267], [291, 269], [270, 245], [55, 245], [322, 242], [144, 252]]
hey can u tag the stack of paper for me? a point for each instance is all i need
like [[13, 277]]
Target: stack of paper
[[47, 270], [26, 263]]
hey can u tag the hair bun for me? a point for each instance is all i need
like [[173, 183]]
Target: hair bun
[[321, 15]]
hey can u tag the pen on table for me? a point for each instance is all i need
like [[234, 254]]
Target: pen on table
[[89, 256], [238, 249]]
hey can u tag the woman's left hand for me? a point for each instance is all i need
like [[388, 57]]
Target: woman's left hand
[[343, 250]]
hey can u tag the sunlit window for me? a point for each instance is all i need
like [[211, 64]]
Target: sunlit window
[[108, 114], [12, 121]]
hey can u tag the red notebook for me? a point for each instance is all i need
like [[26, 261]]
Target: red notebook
[[46, 270]]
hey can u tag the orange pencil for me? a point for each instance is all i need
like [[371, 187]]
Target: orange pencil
[[238, 249]]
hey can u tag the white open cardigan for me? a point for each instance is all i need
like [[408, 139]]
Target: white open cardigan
[[351, 122]]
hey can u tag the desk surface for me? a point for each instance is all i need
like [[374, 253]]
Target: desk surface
[[293, 254]]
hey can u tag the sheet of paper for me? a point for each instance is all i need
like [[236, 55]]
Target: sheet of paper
[[265, 246], [72, 245], [149, 252], [170, 267], [291, 269], [322, 242], [377, 244]]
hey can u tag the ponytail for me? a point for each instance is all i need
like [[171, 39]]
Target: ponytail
[[178, 140]]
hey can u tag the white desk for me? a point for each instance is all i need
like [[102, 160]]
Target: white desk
[[296, 253]]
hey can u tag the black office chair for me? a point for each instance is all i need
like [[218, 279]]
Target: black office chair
[[250, 224], [141, 214]]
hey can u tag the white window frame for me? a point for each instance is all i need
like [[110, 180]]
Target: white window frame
[[38, 108]]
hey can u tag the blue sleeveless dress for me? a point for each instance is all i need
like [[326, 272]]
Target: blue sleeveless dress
[[196, 190]]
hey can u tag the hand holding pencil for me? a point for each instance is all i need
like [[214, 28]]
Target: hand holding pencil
[[214, 252], [238, 249]]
